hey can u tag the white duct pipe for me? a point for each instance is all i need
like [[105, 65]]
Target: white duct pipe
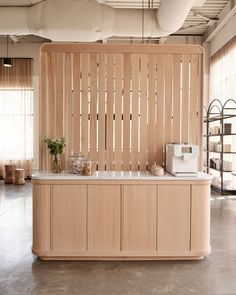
[[88, 20], [172, 14]]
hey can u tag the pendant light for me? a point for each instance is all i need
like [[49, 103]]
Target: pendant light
[[6, 60]]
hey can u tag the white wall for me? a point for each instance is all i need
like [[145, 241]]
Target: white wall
[[29, 50], [224, 36]]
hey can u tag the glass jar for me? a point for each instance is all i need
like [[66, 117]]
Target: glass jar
[[56, 163], [75, 164], [87, 167]]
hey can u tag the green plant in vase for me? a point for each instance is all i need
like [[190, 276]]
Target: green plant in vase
[[56, 147]]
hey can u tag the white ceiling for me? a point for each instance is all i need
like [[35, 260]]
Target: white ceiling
[[194, 24], [197, 22]]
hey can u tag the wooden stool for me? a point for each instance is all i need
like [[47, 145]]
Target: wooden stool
[[9, 174], [19, 175]]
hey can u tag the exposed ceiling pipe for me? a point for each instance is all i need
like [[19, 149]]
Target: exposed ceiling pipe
[[172, 14], [88, 20]]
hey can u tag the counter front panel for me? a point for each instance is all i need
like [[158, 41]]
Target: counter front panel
[[126, 216]]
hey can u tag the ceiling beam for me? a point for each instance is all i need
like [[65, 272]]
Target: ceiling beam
[[227, 13]]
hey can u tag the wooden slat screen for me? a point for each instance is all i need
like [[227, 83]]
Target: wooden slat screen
[[120, 104]]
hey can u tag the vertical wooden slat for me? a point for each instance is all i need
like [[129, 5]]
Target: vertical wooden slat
[[118, 111], [59, 94], [135, 107], [168, 99], [200, 109], [143, 113], [76, 104], [42, 106], [68, 107], [110, 103], [84, 98], [60, 100], [93, 107], [126, 113], [101, 111], [193, 98], [176, 99], [160, 109], [185, 98], [151, 109], [51, 91], [47, 109]]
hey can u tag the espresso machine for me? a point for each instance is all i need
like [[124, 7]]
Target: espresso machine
[[182, 159]]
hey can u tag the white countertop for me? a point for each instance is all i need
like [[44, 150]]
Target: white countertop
[[117, 175]]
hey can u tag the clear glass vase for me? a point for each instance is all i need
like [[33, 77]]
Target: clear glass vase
[[56, 163]]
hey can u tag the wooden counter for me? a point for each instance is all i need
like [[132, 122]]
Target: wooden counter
[[121, 215]]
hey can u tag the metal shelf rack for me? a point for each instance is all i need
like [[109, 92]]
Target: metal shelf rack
[[219, 112]]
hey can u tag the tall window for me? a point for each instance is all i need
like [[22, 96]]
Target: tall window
[[223, 87], [223, 73], [16, 115]]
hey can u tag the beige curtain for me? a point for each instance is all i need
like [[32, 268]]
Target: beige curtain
[[16, 115], [223, 87], [223, 73]]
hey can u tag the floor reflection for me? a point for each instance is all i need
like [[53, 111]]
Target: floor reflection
[[23, 273]]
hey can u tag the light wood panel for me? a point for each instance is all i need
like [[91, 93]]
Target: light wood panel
[[112, 48], [139, 218], [68, 106], [93, 107], [151, 109], [101, 111], [160, 107], [168, 99], [126, 112], [194, 77], [185, 98], [143, 113], [173, 225], [68, 217], [176, 100], [200, 218], [76, 104], [84, 102], [42, 108], [118, 111], [85, 219], [135, 113], [104, 218], [109, 114], [41, 217], [120, 104]]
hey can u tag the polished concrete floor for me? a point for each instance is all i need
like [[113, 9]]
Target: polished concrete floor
[[22, 273]]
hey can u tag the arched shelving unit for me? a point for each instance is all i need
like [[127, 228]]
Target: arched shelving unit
[[219, 112]]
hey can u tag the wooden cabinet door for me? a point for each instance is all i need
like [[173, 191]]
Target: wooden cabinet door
[[104, 218], [173, 218], [200, 218], [139, 218], [41, 218], [68, 220]]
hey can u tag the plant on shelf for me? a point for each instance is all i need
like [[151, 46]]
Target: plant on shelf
[[56, 147]]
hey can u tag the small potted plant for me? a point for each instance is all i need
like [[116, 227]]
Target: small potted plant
[[56, 147]]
